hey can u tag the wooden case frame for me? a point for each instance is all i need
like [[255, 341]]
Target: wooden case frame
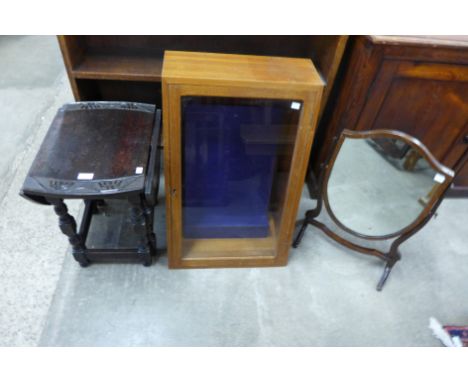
[[239, 76]]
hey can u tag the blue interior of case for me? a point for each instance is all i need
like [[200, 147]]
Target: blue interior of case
[[229, 161]]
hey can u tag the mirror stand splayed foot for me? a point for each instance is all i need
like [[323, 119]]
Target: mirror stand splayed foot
[[378, 185]]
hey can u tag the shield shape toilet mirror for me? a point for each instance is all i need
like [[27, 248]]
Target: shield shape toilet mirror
[[378, 185]]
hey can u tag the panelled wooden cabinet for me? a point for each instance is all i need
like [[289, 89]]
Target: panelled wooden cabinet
[[418, 85]]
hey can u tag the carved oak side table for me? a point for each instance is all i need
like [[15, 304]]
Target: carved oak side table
[[106, 153]]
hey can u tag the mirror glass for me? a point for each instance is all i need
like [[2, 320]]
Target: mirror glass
[[379, 186]]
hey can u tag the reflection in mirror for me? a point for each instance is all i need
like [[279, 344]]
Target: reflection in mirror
[[379, 186]]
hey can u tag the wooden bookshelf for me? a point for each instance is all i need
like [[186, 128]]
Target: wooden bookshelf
[[128, 68]]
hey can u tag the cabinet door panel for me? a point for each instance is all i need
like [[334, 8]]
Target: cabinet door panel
[[460, 184], [428, 102]]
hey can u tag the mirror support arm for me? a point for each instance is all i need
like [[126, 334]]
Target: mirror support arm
[[394, 255]]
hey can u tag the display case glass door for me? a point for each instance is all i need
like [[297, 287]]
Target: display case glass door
[[236, 159]]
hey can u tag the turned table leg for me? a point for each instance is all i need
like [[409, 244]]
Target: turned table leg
[[149, 222], [140, 221], [67, 225]]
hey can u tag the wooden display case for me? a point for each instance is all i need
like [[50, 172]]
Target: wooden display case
[[237, 136]]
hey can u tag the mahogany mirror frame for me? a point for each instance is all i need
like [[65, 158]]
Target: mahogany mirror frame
[[393, 255]]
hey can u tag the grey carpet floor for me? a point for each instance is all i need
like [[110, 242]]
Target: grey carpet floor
[[325, 297], [33, 85]]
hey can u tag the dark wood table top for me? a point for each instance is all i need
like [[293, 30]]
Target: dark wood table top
[[93, 148]]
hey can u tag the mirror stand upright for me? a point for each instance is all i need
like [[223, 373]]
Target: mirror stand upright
[[378, 185]]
